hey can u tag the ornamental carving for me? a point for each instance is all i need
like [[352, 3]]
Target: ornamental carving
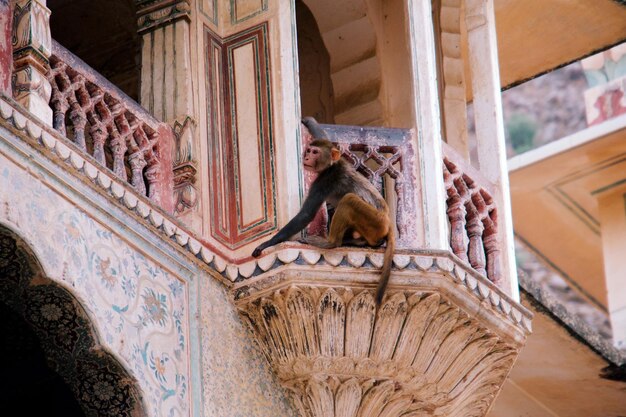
[[31, 49], [155, 13], [424, 352]]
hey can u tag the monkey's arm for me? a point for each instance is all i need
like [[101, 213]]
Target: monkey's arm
[[306, 214]]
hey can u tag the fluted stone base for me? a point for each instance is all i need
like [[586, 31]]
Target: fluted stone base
[[441, 344]]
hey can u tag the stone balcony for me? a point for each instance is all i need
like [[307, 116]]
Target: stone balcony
[[441, 343]]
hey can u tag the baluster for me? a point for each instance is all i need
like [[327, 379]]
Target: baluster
[[153, 174], [490, 240], [401, 217], [474, 227], [137, 163], [118, 148], [99, 135], [60, 83], [59, 106], [456, 215], [79, 120]]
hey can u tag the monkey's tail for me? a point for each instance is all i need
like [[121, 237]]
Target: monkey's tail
[[386, 270]]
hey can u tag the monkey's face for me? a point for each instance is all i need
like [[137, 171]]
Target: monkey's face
[[316, 159]]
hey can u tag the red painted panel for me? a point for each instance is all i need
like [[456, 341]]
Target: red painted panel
[[6, 49], [226, 199]]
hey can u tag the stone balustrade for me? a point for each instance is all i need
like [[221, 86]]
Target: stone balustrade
[[473, 217], [102, 121], [385, 157]]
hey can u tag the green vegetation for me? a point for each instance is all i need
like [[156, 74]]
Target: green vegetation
[[520, 132]]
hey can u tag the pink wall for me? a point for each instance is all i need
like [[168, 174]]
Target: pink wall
[[6, 50]]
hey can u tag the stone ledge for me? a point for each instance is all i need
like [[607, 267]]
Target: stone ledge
[[426, 269]]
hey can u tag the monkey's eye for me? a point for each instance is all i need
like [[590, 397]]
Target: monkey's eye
[[315, 152], [308, 150]]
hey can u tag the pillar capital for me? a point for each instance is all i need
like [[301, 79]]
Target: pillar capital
[[32, 44], [155, 13]]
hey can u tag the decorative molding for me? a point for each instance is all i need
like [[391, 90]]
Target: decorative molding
[[185, 170], [185, 192], [32, 46], [427, 350], [153, 14], [452, 74], [241, 142]]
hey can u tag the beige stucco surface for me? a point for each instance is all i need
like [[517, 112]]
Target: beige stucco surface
[[535, 36], [557, 375]]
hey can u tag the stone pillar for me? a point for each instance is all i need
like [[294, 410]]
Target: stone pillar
[[613, 221], [6, 50], [483, 60], [31, 50], [166, 91], [450, 32], [251, 141], [427, 118]]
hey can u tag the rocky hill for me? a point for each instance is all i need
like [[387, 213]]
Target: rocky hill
[[546, 108]]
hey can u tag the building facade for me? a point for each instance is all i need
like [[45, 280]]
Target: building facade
[[147, 146]]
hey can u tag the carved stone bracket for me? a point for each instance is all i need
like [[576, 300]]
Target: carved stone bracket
[[184, 187], [154, 13], [185, 169], [31, 50], [431, 349]]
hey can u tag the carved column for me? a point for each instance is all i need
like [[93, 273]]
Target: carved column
[[31, 50], [166, 90]]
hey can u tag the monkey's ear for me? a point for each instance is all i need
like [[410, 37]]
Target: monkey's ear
[[335, 154]]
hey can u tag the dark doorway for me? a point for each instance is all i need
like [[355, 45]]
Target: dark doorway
[[104, 35], [27, 384], [316, 87]]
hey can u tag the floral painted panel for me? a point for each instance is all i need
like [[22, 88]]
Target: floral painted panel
[[139, 308]]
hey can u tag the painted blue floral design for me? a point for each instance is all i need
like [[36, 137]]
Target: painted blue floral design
[[155, 307]]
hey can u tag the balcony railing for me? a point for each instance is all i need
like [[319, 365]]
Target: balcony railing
[[385, 157], [104, 122], [472, 216]]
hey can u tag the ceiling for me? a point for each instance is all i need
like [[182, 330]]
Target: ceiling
[[536, 36], [557, 375]]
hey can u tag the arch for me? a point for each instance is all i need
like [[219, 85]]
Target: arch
[[104, 35], [99, 383], [351, 41], [316, 87]]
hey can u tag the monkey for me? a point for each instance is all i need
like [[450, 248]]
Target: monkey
[[361, 212]]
